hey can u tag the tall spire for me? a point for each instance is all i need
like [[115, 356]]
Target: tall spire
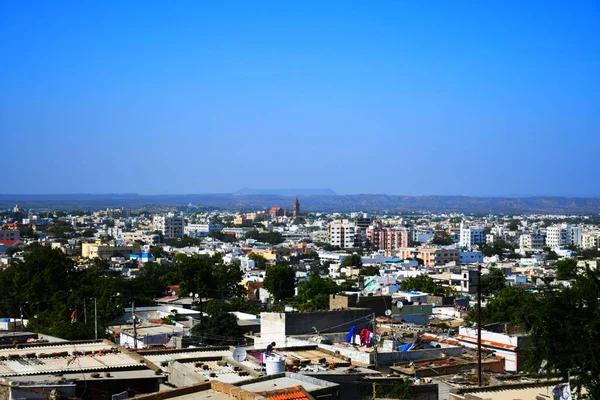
[[296, 211]]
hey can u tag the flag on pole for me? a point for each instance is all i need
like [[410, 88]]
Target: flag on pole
[[562, 392], [74, 316]]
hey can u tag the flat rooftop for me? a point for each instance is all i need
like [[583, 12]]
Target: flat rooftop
[[157, 357], [65, 358], [220, 371], [281, 383], [114, 375]]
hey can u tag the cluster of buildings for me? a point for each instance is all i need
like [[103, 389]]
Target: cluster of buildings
[[417, 336]]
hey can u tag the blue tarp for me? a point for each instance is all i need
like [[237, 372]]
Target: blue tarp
[[350, 334], [405, 347]]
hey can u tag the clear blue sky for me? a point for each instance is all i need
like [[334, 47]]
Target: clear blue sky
[[400, 97]]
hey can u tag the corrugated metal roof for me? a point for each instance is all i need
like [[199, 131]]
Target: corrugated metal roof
[[61, 358], [158, 358]]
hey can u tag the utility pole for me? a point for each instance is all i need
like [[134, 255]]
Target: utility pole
[[84, 313], [373, 344], [202, 320], [95, 318], [479, 324], [134, 326]]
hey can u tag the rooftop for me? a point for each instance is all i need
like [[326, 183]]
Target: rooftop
[[65, 358]]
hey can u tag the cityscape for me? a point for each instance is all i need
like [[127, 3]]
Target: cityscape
[[309, 200], [350, 301]]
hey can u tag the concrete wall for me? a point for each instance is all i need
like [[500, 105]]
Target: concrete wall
[[389, 358], [276, 326], [441, 300], [377, 304], [181, 375]]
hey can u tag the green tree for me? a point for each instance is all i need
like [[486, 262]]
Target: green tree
[[369, 271], [157, 252], [299, 221], [28, 232], [353, 260], [513, 225], [223, 237], [497, 248], [315, 291], [220, 328], [565, 332], [441, 238], [423, 283], [551, 255], [493, 282], [260, 262], [280, 281], [510, 305], [566, 269]]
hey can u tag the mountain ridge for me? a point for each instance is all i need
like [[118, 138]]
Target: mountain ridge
[[325, 203]]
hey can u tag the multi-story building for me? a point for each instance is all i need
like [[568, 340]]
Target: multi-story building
[[277, 212], [343, 233], [10, 234], [563, 235], [469, 237], [170, 225], [589, 241], [105, 251], [575, 235], [201, 229], [532, 241], [431, 256], [321, 236], [386, 238], [471, 257]]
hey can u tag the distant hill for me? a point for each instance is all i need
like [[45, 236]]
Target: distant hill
[[284, 192], [328, 203]]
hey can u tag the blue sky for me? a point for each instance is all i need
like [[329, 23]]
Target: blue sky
[[398, 97]]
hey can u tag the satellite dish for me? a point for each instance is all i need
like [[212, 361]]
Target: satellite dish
[[239, 354], [388, 313], [191, 294], [399, 304], [196, 295]]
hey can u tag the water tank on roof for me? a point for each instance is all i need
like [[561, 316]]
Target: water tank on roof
[[275, 365]]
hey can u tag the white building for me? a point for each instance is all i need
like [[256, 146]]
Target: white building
[[563, 235], [343, 233], [589, 241], [170, 225], [469, 237], [201, 229], [531, 241]]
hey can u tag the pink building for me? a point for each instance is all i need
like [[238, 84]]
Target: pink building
[[388, 238]]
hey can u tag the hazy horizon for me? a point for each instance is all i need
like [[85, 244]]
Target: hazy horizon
[[508, 196]]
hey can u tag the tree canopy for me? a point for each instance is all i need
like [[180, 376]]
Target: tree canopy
[[272, 238], [315, 292], [219, 328], [47, 288], [354, 260], [493, 282], [566, 269], [565, 332], [423, 283], [441, 238], [260, 262], [369, 271], [280, 281]]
